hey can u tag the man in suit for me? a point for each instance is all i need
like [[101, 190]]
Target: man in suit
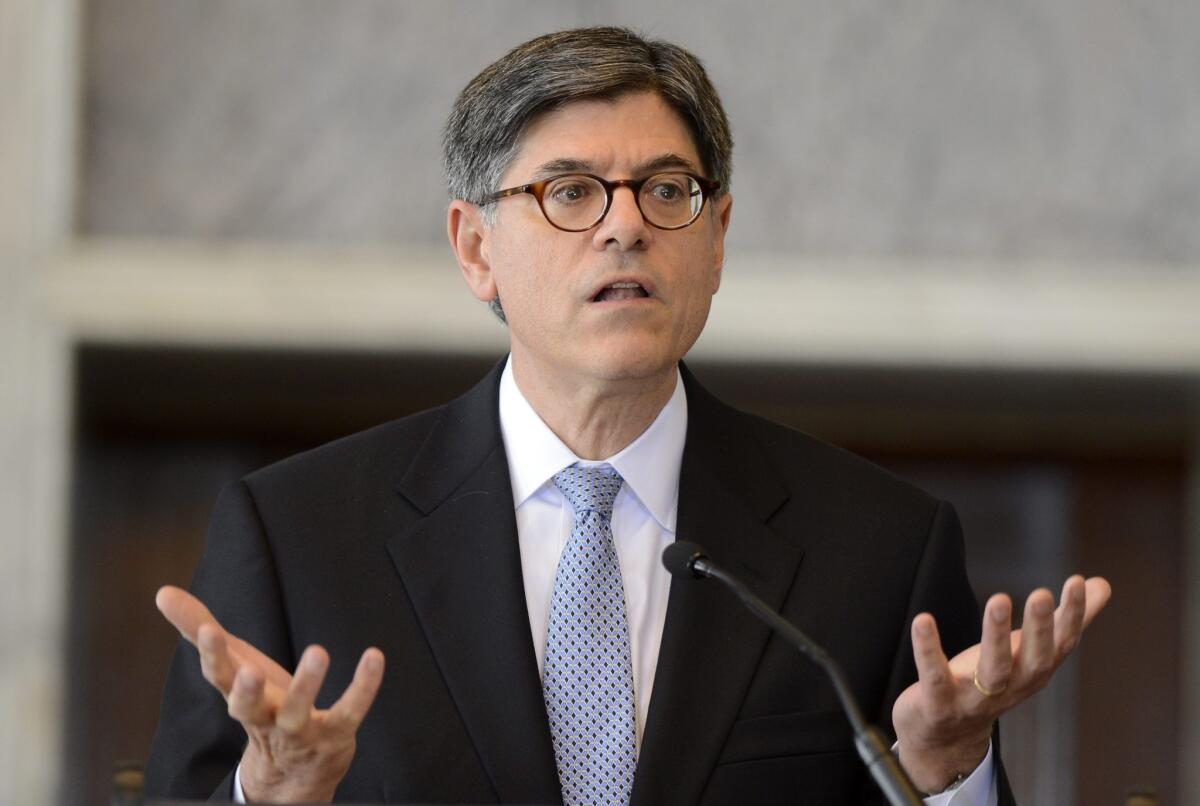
[[501, 551]]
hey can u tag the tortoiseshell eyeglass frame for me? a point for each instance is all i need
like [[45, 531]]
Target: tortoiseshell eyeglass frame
[[707, 188]]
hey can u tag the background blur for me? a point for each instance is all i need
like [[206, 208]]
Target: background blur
[[965, 242]]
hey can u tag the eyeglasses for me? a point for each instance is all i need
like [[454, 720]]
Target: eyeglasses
[[578, 202]]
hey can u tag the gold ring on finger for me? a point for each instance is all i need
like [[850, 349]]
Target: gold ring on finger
[[984, 690]]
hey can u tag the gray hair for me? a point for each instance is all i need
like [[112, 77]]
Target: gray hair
[[482, 134]]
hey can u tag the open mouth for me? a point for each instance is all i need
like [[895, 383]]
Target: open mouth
[[620, 291]]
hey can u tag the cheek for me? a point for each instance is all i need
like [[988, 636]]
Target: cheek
[[530, 280], [705, 277], [508, 270], [698, 313], [699, 303], [714, 283]]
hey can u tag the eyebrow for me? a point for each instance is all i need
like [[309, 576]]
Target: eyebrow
[[663, 162]]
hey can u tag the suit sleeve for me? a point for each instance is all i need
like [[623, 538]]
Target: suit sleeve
[[197, 745], [940, 587]]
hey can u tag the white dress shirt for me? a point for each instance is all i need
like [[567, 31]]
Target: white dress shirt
[[643, 524], [643, 520]]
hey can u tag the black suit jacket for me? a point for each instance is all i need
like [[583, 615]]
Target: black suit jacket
[[404, 537]]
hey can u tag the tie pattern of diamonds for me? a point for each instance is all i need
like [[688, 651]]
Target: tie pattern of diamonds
[[588, 678]]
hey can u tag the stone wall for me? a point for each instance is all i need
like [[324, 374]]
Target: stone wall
[[1061, 131]]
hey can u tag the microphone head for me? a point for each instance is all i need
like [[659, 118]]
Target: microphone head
[[680, 559]]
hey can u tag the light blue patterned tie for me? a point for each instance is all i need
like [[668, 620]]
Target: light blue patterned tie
[[588, 679]]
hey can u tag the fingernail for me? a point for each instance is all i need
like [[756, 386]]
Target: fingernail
[[1042, 607], [924, 629], [313, 662], [1000, 613], [374, 664]]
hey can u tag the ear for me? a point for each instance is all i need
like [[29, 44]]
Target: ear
[[468, 239], [722, 210]]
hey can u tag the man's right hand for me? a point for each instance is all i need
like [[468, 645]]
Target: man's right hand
[[296, 753]]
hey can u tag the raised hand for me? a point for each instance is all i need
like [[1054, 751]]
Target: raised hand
[[296, 752], [944, 721]]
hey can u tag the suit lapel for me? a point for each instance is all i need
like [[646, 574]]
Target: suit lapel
[[461, 568], [711, 646]]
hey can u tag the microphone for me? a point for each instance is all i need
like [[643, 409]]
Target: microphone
[[688, 561]]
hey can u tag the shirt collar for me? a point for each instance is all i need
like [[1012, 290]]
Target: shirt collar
[[649, 465]]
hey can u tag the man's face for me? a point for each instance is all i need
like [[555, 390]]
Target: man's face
[[563, 315]]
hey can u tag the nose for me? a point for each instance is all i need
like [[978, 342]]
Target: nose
[[623, 225]]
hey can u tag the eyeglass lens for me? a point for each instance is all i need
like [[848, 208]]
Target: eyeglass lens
[[666, 200]]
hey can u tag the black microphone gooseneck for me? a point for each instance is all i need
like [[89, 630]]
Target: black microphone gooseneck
[[688, 561]]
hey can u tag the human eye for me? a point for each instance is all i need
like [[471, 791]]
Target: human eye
[[570, 190], [667, 188]]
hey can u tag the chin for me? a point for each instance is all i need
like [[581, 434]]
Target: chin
[[632, 364]]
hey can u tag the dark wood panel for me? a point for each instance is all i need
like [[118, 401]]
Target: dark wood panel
[[1131, 523]]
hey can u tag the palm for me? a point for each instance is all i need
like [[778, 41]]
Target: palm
[[944, 720], [295, 751]]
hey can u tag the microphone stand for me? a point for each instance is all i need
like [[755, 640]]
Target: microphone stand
[[869, 741]]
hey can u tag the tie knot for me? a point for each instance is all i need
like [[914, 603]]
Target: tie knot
[[589, 488]]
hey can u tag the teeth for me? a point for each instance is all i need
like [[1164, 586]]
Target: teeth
[[621, 291]]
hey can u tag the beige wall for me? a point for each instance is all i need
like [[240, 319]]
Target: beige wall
[[38, 53]]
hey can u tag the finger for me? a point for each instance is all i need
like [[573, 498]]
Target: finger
[[248, 700], [185, 612], [933, 670], [298, 704], [351, 708], [1037, 634], [246, 653], [1068, 619], [995, 656], [216, 665], [1098, 594]]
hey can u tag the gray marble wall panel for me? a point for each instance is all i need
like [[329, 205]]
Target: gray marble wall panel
[[1065, 130]]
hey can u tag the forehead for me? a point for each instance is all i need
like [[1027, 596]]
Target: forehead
[[608, 135]]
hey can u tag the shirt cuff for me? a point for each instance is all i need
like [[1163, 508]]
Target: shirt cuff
[[977, 789], [240, 797]]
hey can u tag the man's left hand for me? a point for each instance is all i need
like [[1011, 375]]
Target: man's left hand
[[944, 721]]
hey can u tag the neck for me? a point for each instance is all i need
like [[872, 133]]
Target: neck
[[595, 419]]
